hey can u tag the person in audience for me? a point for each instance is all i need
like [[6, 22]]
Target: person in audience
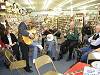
[[50, 43], [45, 32], [2, 45], [94, 43], [22, 31], [2, 29], [36, 45], [87, 31], [71, 40], [7, 24], [62, 45], [11, 42]]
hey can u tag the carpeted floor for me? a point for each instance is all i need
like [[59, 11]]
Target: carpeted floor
[[61, 66]]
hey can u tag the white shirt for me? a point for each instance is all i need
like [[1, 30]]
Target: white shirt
[[9, 39], [94, 42], [50, 37]]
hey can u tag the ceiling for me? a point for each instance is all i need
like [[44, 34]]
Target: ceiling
[[40, 5]]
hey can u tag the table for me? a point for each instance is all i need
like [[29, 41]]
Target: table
[[76, 69]]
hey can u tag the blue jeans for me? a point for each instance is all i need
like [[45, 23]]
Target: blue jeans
[[85, 51], [51, 48], [35, 49]]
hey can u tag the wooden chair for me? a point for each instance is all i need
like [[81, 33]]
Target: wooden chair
[[12, 62], [43, 60]]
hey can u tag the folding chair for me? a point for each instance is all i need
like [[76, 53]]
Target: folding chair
[[91, 56], [13, 63], [43, 60]]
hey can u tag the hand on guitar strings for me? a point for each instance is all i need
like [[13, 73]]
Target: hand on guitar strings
[[31, 36]]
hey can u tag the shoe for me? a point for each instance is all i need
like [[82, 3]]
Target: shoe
[[7, 66], [53, 59], [34, 60], [28, 70], [59, 58]]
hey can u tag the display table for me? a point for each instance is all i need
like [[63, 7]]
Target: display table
[[77, 69]]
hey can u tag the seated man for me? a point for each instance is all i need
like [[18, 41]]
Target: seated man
[[71, 41], [94, 44]]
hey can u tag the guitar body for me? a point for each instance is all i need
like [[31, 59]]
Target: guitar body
[[27, 40]]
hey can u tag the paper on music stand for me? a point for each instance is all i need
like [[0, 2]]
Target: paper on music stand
[[96, 55], [96, 64], [91, 71]]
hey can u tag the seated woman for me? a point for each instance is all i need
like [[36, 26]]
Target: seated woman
[[94, 44], [11, 42]]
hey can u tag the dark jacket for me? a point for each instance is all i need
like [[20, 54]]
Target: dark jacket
[[5, 38], [2, 29], [72, 36], [87, 30]]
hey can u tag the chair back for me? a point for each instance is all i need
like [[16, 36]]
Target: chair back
[[13, 63], [43, 60], [9, 56]]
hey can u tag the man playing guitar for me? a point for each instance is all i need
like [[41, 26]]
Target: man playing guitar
[[22, 31]]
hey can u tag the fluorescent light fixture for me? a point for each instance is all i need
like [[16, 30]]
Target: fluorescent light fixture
[[46, 4], [62, 4], [89, 6], [83, 7], [28, 1], [81, 3], [96, 6]]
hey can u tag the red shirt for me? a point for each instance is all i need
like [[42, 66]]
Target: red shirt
[[2, 45]]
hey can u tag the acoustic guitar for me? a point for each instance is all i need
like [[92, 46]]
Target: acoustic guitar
[[27, 40]]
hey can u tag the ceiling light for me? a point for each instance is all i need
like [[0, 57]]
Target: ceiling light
[[47, 3], [81, 3], [91, 6], [28, 1], [96, 6], [62, 4]]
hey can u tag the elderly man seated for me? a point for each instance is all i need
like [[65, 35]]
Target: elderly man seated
[[94, 44]]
